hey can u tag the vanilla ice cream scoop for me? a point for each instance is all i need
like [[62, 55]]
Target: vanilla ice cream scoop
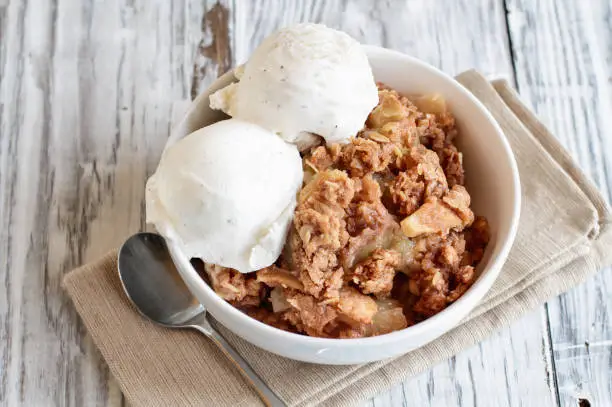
[[227, 193], [307, 78]]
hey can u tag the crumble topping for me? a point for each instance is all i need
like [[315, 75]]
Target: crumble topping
[[383, 235]]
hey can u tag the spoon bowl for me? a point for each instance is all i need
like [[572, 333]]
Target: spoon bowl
[[153, 284]]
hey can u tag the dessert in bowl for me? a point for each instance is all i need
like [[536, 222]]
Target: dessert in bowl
[[378, 251]]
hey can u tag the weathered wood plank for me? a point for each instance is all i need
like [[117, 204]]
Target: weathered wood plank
[[37, 333], [564, 63], [88, 89], [511, 368], [453, 36], [214, 56], [81, 71], [505, 370]]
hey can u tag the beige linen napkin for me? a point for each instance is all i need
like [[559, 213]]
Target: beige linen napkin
[[564, 236]]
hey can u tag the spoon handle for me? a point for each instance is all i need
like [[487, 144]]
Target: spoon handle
[[269, 398]]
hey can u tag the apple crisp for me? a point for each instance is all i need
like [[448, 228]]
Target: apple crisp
[[383, 235]]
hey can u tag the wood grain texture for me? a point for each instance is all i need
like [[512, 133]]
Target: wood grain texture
[[214, 56], [511, 368], [88, 90], [563, 56], [435, 31]]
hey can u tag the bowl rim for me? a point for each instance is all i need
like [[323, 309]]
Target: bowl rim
[[476, 291]]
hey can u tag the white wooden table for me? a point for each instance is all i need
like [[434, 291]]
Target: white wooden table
[[88, 89]]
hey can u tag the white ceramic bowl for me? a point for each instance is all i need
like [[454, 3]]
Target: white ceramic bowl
[[493, 183]]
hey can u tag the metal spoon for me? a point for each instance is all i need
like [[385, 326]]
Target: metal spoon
[[155, 287]]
